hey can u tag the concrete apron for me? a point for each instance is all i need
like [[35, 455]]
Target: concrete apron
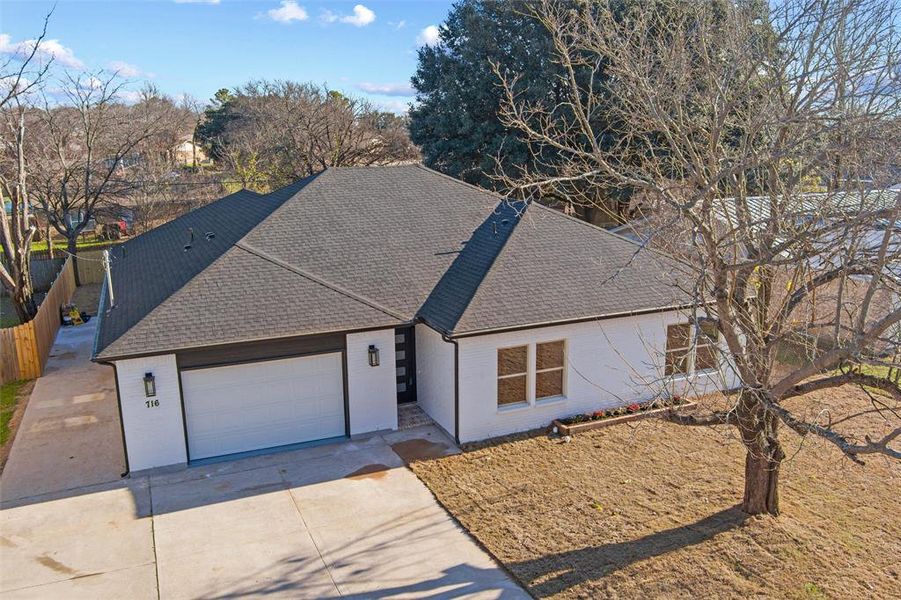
[[345, 519]]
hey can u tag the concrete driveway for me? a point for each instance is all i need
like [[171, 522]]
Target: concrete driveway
[[337, 520], [70, 434]]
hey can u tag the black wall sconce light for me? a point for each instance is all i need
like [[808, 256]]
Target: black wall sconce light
[[373, 356], [149, 385]]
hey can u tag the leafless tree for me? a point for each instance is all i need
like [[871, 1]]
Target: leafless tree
[[20, 76], [721, 112], [278, 131], [82, 147]]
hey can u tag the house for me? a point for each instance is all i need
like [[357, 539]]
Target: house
[[310, 313]]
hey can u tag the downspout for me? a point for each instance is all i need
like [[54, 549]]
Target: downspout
[[456, 386]]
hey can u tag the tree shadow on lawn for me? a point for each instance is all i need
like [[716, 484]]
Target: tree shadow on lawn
[[575, 567]]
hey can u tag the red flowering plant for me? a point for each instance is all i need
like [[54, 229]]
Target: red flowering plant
[[633, 407], [598, 414]]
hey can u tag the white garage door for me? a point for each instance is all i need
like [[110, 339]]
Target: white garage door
[[263, 404]]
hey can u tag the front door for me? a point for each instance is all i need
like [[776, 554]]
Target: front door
[[405, 358]]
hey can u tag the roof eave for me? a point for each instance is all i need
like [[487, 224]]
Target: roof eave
[[540, 324]]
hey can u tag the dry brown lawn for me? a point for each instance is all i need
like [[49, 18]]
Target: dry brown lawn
[[647, 510]]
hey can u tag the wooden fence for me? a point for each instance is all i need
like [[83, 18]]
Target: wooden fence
[[24, 349], [90, 267]]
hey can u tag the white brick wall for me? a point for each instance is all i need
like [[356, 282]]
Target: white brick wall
[[155, 435], [372, 391], [610, 363], [435, 376]]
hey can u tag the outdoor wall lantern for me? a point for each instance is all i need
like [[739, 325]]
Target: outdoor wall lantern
[[149, 385], [373, 356]]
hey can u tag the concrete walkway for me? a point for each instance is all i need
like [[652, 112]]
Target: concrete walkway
[[70, 435], [346, 519]]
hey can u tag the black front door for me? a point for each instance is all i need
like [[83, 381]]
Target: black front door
[[405, 357]]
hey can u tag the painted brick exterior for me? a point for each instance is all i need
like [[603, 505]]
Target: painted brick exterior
[[372, 391], [435, 376], [155, 435], [609, 363]]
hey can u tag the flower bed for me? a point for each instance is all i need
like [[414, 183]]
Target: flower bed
[[603, 418]]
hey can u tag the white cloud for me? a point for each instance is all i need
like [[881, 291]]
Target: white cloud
[[47, 50], [129, 96], [387, 89], [361, 16], [288, 12], [125, 69], [430, 36], [398, 25], [398, 107]]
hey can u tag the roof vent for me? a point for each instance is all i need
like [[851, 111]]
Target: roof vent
[[209, 235], [190, 240]]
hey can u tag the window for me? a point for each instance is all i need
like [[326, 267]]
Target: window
[[706, 346], [679, 347], [549, 358], [512, 375]]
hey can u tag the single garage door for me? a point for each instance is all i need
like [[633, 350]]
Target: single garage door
[[245, 407]]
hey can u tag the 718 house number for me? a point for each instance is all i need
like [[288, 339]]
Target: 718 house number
[[152, 403]]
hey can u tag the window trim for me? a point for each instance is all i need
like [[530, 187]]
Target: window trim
[[562, 368], [498, 377]]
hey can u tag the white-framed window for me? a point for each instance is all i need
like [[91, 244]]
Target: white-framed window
[[684, 357], [550, 371], [513, 375]]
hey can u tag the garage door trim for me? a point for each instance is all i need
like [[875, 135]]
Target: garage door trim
[[184, 415]]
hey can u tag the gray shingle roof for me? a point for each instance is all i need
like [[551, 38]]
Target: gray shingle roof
[[353, 248]]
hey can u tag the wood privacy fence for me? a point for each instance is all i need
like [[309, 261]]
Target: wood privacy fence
[[24, 349], [90, 265]]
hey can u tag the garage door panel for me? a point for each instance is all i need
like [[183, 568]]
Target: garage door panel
[[260, 405]]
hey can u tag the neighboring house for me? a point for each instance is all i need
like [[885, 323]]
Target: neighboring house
[[186, 153], [309, 313]]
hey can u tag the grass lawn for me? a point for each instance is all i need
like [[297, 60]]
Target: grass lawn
[[60, 244], [9, 396], [647, 510]]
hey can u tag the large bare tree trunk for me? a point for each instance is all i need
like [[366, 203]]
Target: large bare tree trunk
[[23, 298], [73, 252], [763, 458]]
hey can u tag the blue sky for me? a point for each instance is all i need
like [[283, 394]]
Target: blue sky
[[197, 47]]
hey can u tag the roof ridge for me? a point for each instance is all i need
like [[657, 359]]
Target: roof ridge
[[466, 183], [173, 224], [320, 280], [494, 259]]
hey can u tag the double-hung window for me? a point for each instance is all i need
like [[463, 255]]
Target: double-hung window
[[549, 361], [518, 367], [683, 356], [512, 375]]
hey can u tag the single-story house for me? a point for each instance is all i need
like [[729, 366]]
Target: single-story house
[[310, 313]]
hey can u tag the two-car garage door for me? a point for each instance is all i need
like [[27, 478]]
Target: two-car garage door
[[238, 408]]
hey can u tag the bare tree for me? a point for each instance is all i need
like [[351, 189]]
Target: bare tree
[[722, 111], [278, 131], [82, 147], [20, 76]]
